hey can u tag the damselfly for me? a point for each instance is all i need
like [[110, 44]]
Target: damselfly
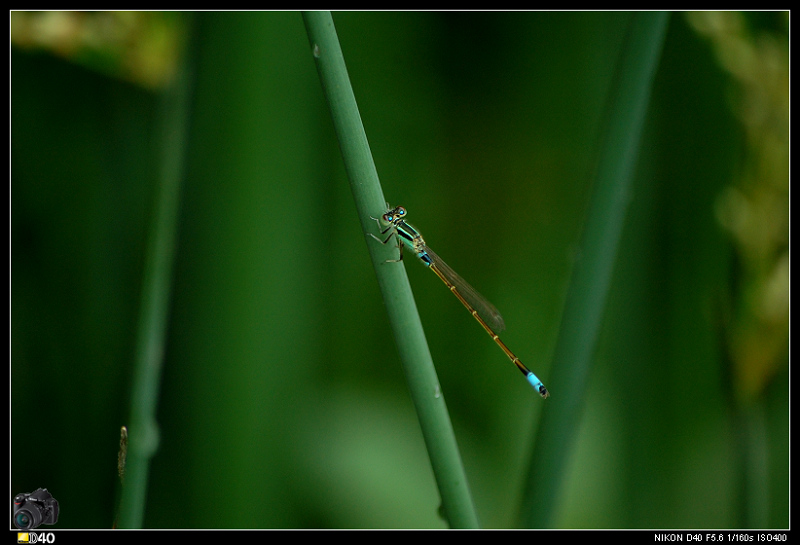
[[483, 311]]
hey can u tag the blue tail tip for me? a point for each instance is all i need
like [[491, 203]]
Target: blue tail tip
[[538, 386]]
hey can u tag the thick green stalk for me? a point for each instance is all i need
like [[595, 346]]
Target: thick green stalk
[[591, 276], [415, 356]]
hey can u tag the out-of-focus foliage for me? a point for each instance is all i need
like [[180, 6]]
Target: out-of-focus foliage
[[137, 46], [754, 207]]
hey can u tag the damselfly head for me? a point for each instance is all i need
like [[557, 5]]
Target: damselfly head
[[394, 214]]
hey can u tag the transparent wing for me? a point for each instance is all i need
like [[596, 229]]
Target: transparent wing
[[484, 308]]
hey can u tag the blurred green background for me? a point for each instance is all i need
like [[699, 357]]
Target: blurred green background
[[283, 403]]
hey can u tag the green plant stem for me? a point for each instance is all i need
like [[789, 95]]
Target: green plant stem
[[591, 277], [415, 356], [156, 290]]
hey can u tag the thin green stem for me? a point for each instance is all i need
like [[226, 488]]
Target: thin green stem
[[591, 276], [156, 291], [415, 356]]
